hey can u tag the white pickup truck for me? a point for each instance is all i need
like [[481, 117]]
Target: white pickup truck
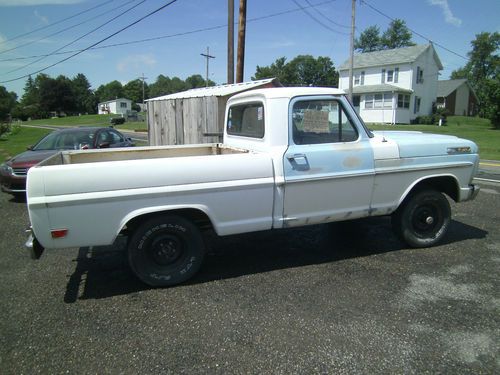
[[291, 157]]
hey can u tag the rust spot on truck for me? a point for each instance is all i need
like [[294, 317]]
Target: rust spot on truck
[[352, 162]]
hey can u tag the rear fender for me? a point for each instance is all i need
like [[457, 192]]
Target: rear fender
[[166, 209]]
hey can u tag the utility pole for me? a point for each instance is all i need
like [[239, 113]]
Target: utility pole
[[230, 41], [351, 53], [143, 79], [241, 41], [208, 57]]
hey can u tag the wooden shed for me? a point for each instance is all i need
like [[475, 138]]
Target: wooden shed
[[194, 116]]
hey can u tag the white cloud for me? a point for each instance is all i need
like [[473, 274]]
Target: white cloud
[[42, 19], [22, 3], [448, 15], [135, 62]]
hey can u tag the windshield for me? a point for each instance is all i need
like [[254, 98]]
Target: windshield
[[74, 140], [368, 131]]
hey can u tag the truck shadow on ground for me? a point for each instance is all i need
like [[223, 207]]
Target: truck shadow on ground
[[103, 272]]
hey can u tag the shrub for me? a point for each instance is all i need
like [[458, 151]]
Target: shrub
[[117, 120], [4, 128]]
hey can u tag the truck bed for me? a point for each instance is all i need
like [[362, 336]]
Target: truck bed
[[138, 153]]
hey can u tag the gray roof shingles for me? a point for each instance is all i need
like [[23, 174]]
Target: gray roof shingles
[[446, 87], [388, 57]]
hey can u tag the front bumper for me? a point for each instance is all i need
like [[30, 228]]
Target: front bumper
[[34, 247]]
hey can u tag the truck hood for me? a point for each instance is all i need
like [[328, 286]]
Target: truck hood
[[415, 144]]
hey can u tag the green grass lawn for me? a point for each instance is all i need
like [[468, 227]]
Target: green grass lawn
[[17, 141], [88, 120], [476, 129]]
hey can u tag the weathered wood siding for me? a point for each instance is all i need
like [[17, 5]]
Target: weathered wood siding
[[185, 121]]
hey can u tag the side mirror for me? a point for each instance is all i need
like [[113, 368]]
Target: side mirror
[[29, 148]]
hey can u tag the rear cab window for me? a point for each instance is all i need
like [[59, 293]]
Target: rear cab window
[[246, 120]]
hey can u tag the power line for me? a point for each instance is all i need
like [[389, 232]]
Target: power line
[[211, 28], [56, 23], [415, 32], [61, 31], [95, 44], [327, 18], [79, 38], [317, 20]]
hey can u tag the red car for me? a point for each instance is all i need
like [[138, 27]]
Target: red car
[[13, 172]]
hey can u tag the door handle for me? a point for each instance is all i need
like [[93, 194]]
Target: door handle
[[299, 162]]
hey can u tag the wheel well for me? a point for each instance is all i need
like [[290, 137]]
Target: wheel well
[[198, 217], [444, 184]]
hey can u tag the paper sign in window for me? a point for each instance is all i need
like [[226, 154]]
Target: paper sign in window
[[316, 121]]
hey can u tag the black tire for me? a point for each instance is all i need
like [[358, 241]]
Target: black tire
[[166, 251], [423, 218]]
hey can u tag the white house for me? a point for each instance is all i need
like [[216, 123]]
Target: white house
[[116, 106], [393, 86]]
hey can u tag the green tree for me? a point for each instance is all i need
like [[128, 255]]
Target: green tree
[[84, 98], [8, 101], [165, 85], [133, 90], [369, 40], [197, 80], [30, 95], [277, 69], [397, 35], [483, 73], [160, 87], [303, 70], [109, 91], [57, 94]]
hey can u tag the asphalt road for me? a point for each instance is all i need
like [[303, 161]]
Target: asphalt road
[[340, 298]]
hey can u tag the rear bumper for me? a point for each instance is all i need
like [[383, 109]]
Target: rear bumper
[[469, 193], [35, 249]]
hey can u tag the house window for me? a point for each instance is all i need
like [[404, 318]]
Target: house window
[[368, 101], [396, 75], [383, 76], [357, 79], [123, 105], [416, 108], [403, 101], [420, 75], [378, 101], [362, 77], [246, 120], [387, 100], [355, 100], [390, 75]]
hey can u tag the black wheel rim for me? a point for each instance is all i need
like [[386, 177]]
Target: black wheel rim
[[166, 249], [427, 220]]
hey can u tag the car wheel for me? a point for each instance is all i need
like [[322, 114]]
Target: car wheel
[[423, 218], [166, 250]]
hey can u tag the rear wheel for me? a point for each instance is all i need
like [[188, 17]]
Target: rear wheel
[[166, 250], [423, 218]]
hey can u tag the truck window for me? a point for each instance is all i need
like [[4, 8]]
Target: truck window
[[246, 120], [321, 121]]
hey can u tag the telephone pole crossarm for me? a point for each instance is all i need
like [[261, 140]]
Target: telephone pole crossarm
[[208, 57]]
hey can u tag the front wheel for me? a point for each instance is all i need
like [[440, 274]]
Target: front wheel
[[422, 219], [165, 251]]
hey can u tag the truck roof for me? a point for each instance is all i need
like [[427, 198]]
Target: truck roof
[[289, 92]]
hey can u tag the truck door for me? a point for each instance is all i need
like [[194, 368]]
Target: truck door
[[328, 166]]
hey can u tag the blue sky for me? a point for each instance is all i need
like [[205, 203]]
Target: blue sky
[[451, 23]]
